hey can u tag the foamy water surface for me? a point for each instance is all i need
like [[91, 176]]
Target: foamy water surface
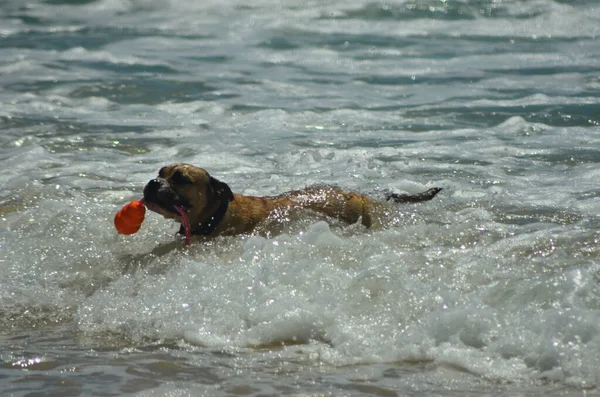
[[492, 288]]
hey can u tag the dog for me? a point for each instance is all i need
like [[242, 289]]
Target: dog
[[206, 206]]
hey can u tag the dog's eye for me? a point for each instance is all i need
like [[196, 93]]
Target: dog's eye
[[161, 172], [179, 178]]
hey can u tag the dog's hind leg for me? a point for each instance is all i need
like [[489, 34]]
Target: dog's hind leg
[[413, 198]]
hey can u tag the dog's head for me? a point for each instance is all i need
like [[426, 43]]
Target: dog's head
[[184, 187]]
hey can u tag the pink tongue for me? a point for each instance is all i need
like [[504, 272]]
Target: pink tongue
[[186, 224]]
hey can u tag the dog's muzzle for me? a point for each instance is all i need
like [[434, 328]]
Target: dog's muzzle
[[158, 192]]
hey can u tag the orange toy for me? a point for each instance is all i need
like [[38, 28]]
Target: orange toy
[[129, 219]]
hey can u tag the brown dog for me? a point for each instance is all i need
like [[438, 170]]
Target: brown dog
[[206, 206]]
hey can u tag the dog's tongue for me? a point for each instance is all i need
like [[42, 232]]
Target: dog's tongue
[[186, 224]]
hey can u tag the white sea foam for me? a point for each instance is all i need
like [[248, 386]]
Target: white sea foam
[[415, 292], [496, 279]]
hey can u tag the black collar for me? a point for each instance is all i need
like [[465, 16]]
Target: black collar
[[206, 228]]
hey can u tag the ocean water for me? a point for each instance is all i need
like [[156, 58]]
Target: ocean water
[[490, 289]]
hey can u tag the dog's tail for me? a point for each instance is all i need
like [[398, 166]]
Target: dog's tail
[[413, 198]]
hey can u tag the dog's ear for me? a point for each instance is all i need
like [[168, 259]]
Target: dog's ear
[[220, 189]]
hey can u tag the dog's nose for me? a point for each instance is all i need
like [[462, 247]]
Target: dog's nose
[[151, 188], [154, 183]]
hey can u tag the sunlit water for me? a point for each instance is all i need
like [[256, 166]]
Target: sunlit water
[[492, 288]]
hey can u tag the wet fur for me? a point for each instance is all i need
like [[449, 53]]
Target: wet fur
[[201, 195]]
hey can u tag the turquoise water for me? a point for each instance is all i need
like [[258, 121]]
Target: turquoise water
[[490, 289]]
